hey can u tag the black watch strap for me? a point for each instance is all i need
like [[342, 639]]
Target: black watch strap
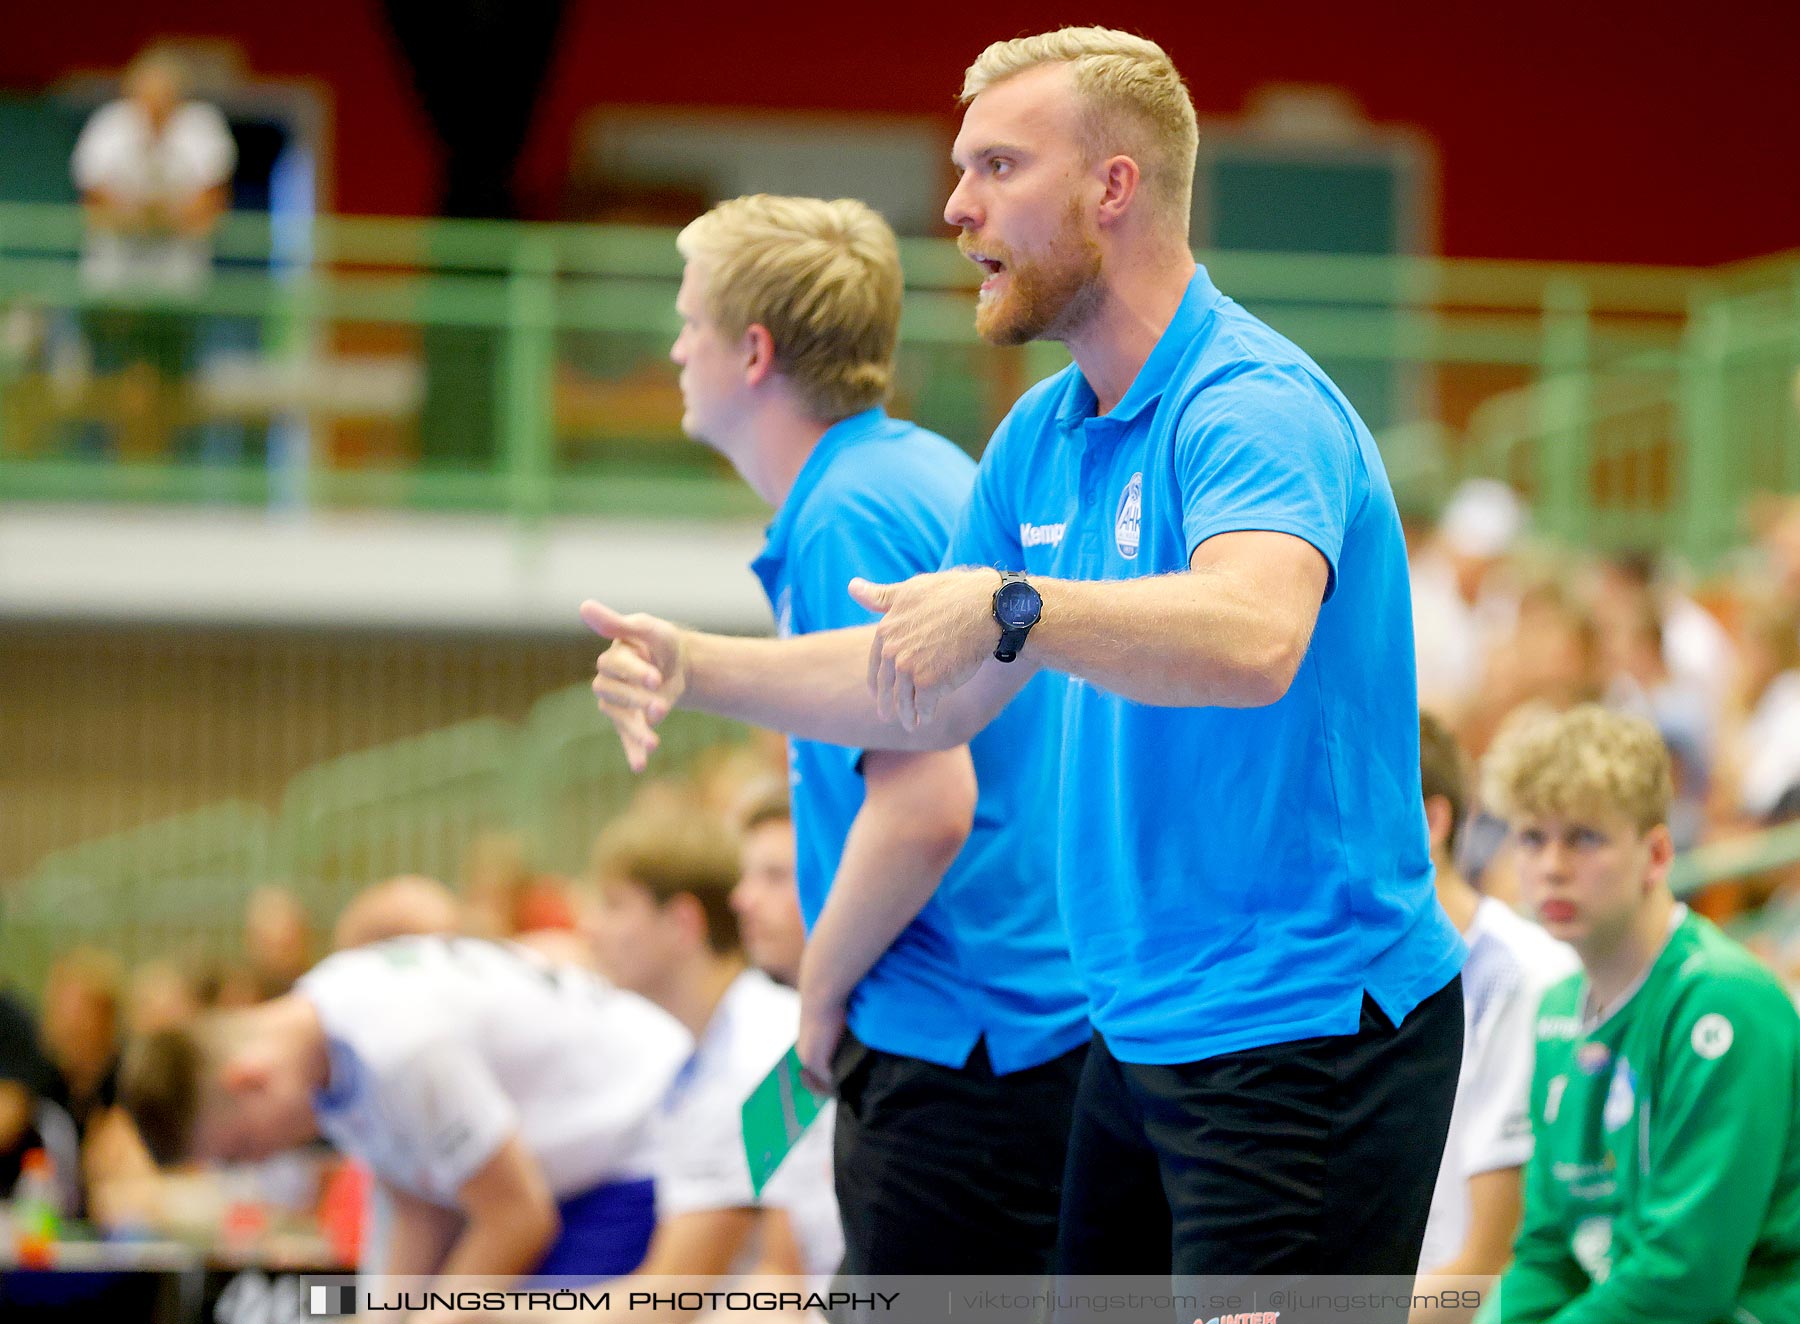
[[1012, 638]]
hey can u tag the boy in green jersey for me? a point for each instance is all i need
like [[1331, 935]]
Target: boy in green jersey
[[1665, 1182]]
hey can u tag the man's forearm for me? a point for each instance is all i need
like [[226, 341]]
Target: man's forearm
[[500, 1246], [916, 817], [1194, 639], [814, 687]]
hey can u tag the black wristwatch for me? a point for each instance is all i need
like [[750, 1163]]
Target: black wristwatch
[[1017, 606]]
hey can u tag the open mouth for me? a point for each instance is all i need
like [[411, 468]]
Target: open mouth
[[992, 265]]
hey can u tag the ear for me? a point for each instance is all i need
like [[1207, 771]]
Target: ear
[[759, 352], [1662, 854], [689, 915], [1119, 180], [1440, 821]]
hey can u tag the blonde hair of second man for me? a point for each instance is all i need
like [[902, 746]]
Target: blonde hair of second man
[[1587, 761], [823, 278], [1134, 100]]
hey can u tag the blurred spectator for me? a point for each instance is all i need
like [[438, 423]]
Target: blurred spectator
[[1696, 647], [507, 897], [1550, 656], [1462, 600], [409, 904], [494, 872], [277, 940], [1765, 754], [1475, 1208], [767, 898], [1664, 1183], [83, 1006], [163, 995], [1640, 682], [731, 779], [547, 904], [1777, 522], [83, 1035], [29, 1115], [152, 168], [664, 928]]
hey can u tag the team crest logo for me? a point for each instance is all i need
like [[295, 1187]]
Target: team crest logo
[[1592, 1058], [1712, 1036], [1621, 1098], [1130, 517]]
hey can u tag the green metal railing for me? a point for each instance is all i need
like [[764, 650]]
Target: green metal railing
[[1660, 449], [177, 887], [1554, 375]]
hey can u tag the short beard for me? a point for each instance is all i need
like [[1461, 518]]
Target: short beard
[[1051, 298]]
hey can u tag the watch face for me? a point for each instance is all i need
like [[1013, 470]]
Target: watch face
[[1017, 605]]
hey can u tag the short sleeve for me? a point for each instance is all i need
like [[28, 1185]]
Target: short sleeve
[[208, 154], [856, 539], [97, 149], [1498, 1128], [985, 533], [700, 1163], [1268, 449], [448, 1114]]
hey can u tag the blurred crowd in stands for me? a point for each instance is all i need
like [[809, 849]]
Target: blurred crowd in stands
[[1503, 622], [60, 1063]]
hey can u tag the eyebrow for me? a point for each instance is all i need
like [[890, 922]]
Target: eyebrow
[[996, 149]]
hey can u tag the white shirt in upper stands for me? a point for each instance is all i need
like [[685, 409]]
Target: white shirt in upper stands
[[118, 151]]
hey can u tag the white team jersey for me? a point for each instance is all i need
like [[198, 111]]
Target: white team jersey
[[702, 1163], [1511, 963], [444, 1047]]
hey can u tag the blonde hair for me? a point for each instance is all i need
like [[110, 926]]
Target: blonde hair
[[154, 61], [669, 845], [1588, 760], [1134, 103], [822, 277]]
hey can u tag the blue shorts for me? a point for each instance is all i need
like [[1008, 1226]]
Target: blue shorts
[[605, 1231]]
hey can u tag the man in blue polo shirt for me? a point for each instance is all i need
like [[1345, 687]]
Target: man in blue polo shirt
[[931, 909], [1192, 526]]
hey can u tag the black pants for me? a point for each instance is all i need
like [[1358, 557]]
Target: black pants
[[1312, 1157], [950, 1170]]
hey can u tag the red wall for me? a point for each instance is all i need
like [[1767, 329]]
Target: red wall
[[1586, 129]]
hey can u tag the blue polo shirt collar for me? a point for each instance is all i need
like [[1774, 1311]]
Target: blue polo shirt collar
[[840, 435], [1147, 387]]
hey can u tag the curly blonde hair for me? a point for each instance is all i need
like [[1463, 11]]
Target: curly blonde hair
[[1585, 761]]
